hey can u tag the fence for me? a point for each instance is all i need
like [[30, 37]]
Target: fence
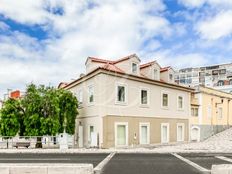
[[48, 142]]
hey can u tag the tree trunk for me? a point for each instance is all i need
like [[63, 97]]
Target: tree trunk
[[38, 143]]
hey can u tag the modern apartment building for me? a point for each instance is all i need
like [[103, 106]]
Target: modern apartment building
[[218, 77], [211, 112], [126, 103]]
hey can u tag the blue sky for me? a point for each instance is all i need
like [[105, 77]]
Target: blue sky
[[48, 41]]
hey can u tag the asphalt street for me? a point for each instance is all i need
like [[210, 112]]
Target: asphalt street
[[147, 164], [205, 160], [134, 163]]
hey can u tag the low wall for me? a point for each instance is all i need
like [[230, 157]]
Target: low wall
[[46, 168], [207, 131], [221, 169]]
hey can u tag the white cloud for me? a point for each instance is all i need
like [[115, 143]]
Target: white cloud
[[104, 28], [216, 27]]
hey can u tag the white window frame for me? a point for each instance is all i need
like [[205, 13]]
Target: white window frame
[[220, 114], [183, 132], [89, 135], [165, 92], [116, 94], [148, 97], [91, 103], [155, 77], [168, 132], [137, 66], [80, 96], [140, 132], [178, 108], [116, 124]]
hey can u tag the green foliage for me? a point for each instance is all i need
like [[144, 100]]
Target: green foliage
[[10, 118], [42, 111], [68, 105]]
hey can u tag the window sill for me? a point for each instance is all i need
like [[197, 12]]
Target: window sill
[[144, 106], [90, 104], [121, 103], [164, 107]]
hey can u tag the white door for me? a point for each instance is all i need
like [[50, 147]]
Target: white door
[[93, 139], [180, 132], [80, 136], [121, 135], [164, 133], [195, 134], [144, 133]]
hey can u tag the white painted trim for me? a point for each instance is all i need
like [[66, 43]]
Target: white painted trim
[[116, 93], [140, 132], [161, 104], [148, 96], [183, 102], [183, 132], [162, 125], [137, 73], [90, 103], [116, 124]]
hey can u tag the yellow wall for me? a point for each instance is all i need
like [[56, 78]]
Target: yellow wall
[[208, 97]]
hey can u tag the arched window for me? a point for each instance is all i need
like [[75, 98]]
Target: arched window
[[220, 83], [230, 82]]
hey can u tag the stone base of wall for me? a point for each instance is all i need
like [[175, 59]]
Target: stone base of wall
[[46, 168], [207, 131]]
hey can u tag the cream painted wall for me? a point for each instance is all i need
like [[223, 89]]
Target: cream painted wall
[[149, 71], [126, 65], [133, 107]]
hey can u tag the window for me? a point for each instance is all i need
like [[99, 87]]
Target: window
[[144, 133], [180, 132], [220, 83], [121, 94], [170, 77], [91, 94], [180, 102], [144, 97], [80, 97], [121, 134], [220, 113], [164, 132], [134, 68], [209, 112], [164, 100], [230, 82], [194, 112], [155, 73], [91, 130]]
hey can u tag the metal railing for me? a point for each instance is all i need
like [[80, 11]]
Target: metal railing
[[31, 142]]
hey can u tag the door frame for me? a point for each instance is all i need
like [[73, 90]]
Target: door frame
[[183, 132], [140, 132], [116, 124], [198, 133], [80, 136], [162, 125]]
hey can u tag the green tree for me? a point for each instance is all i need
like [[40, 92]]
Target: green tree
[[68, 105], [10, 118], [42, 111]]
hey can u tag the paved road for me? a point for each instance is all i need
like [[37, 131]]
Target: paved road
[[205, 160], [147, 164], [126, 163], [92, 158]]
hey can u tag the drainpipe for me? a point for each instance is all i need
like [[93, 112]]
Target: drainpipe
[[228, 113]]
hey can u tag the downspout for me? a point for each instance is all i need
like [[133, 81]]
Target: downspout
[[228, 113]]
